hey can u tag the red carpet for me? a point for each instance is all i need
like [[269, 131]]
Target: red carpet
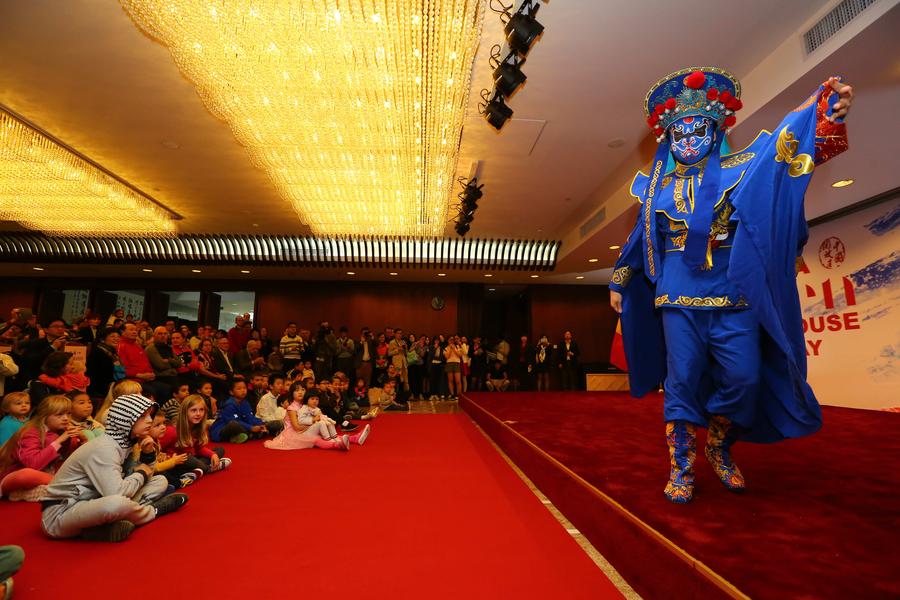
[[426, 509], [820, 518]]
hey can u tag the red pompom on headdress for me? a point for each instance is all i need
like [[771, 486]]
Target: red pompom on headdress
[[695, 80], [658, 109], [712, 94], [732, 104], [652, 120], [730, 120], [724, 97], [671, 104]]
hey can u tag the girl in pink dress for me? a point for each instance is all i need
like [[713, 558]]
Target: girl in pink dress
[[305, 425]]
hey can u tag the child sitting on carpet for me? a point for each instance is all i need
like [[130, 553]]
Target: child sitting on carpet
[[123, 388], [170, 408], [90, 498], [14, 412], [305, 426], [81, 416], [169, 466], [361, 392], [236, 421], [268, 408], [205, 390], [34, 453], [192, 438]]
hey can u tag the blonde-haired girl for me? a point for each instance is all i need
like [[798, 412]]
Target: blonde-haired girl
[[126, 387], [32, 455], [192, 438]]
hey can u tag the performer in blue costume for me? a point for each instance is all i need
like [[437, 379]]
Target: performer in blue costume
[[705, 283]]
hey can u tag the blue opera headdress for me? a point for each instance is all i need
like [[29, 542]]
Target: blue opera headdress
[[697, 91]]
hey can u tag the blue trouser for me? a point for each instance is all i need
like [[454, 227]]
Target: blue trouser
[[723, 345]]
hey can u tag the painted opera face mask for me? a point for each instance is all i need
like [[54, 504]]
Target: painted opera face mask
[[691, 139]]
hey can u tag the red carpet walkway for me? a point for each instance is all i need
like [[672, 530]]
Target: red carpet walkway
[[426, 509], [820, 517]]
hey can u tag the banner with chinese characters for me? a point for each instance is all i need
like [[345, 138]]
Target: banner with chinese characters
[[849, 286]]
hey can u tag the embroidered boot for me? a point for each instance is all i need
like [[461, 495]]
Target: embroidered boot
[[719, 439], [682, 439]]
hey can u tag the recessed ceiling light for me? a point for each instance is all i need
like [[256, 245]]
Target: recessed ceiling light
[[351, 272], [492, 289], [147, 270], [196, 271], [256, 224], [614, 247], [616, 142], [38, 268], [579, 277], [592, 260], [842, 183], [488, 274], [244, 271], [392, 273], [442, 274], [535, 276]]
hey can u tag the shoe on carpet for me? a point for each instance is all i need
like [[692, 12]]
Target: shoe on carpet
[[198, 472], [7, 589], [239, 438], [187, 479], [348, 426], [117, 531], [345, 442], [364, 435], [224, 463], [35, 494], [397, 408], [169, 504]]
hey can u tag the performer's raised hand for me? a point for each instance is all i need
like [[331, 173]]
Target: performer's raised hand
[[842, 106]]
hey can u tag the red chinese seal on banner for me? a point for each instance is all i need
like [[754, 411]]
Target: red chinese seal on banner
[[832, 253]]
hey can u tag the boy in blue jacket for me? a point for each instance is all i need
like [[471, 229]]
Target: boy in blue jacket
[[235, 421]]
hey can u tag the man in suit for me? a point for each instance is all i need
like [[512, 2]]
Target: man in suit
[[224, 366], [567, 356], [364, 356]]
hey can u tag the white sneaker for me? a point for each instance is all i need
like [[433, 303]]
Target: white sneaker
[[345, 441], [364, 435]]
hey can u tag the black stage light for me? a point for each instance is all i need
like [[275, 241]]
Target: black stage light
[[462, 228], [522, 29], [495, 110], [508, 75], [473, 191]]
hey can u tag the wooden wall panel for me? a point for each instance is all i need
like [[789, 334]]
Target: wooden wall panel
[[582, 309]]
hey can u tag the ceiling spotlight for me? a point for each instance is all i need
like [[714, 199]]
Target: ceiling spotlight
[[488, 275], [593, 260], [614, 247], [393, 273], [842, 183], [579, 277], [522, 29], [147, 270], [508, 75], [492, 289], [244, 271], [442, 274], [535, 276], [494, 109], [196, 271], [38, 268], [351, 273], [462, 228]]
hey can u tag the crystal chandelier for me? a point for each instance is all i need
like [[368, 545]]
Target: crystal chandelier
[[46, 186], [354, 108]]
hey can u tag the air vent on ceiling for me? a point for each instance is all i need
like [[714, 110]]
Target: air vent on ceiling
[[831, 23], [593, 222]]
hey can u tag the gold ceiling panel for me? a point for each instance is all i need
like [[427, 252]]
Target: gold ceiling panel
[[354, 108]]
